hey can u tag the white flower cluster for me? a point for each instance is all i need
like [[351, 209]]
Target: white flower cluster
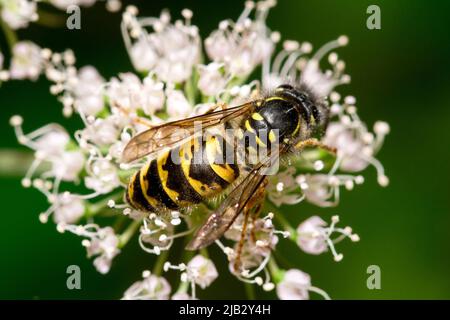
[[18, 14], [26, 62], [172, 82], [100, 242]]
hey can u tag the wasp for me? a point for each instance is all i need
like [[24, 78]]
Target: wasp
[[289, 119]]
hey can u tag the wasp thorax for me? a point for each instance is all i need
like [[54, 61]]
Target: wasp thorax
[[314, 112], [280, 115]]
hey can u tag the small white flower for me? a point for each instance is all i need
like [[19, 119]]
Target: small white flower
[[322, 83], [68, 165], [349, 146], [211, 80], [101, 242], [153, 97], [290, 64], [69, 209], [244, 44], [18, 13], [170, 50], [105, 243], [102, 131], [156, 232], [142, 55], [317, 189], [104, 246], [309, 236], [283, 188], [150, 288], [202, 271], [124, 91], [355, 144], [314, 236], [26, 61], [178, 106], [87, 90], [52, 143], [116, 149], [130, 93], [102, 176], [324, 189], [294, 286]]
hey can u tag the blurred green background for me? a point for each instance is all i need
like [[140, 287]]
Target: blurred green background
[[400, 74]]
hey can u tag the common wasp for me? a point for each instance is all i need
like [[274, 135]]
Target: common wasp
[[189, 167]]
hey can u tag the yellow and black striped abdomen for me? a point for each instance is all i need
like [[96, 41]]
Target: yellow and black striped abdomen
[[183, 176]]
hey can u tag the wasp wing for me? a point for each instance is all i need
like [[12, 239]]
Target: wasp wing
[[222, 218], [172, 133]]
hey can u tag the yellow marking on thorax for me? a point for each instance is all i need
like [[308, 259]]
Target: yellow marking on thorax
[[275, 98], [256, 116], [163, 176], [144, 186]]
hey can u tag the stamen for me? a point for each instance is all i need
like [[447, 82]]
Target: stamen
[[327, 47], [320, 292]]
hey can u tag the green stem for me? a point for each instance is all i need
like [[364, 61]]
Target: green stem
[[16, 163], [119, 222], [184, 286], [10, 35], [128, 233], [204, 252], [250, 291], [49, 19], [190, 88], [277, 273], [97, 207], [162, 258]]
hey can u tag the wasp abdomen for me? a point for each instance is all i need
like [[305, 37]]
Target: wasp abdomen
[[183, 176]]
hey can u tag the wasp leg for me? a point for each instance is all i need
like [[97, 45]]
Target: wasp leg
[[314, 143], [255, 216], [237, 261], [255, 202]]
